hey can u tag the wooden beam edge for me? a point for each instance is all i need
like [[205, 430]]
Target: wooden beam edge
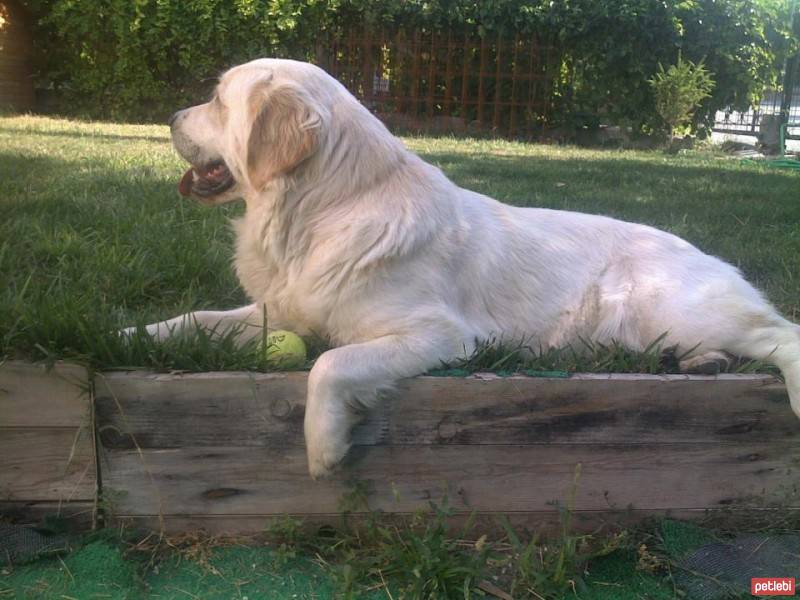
[[544, 522], [478, 376]]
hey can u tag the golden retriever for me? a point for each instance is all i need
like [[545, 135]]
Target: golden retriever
[[349, 235]]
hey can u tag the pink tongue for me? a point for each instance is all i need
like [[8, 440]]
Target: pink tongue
[[185, 186]]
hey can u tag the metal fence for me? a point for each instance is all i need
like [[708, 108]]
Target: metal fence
[[449, 81], [748, 122], [443, 81]]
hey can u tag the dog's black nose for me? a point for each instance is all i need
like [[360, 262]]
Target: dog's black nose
[[172, 118]]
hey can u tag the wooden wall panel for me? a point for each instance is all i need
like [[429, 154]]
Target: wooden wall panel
[[226, 449], [47, 442]]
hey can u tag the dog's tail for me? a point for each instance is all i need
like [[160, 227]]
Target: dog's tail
[[792, 377], [777, 341], [790, 368]]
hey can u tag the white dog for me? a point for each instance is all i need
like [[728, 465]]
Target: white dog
[[350, 235]]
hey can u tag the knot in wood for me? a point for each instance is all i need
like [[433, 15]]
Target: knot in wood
[[448, 428], [280, 408], [221, 493]]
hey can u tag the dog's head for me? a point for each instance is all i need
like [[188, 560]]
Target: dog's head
[[266, 119]]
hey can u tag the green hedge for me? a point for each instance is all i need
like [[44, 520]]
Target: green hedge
[[139, 59]]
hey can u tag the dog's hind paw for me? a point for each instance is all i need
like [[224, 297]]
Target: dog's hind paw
[[711, 363]]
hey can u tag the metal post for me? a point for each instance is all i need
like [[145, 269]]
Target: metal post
[[791, 67]]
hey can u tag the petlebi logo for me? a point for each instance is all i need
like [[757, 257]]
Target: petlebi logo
[[772, 586]]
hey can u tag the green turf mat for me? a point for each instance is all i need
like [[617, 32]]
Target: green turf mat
[[239, 572], [615, 577], [97, 570], [681, 538]]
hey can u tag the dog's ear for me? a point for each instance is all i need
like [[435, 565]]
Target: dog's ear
[[284, 132]]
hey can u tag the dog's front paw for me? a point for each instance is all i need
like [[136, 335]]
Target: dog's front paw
[[131, 332], [324, 455]]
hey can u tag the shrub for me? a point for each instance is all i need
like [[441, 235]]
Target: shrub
[[679, 91], [140, 60]]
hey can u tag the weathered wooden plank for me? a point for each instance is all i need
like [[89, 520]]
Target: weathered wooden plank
[[513, 478], [238, 409], [78, 516], [585, 409], [47, 464], [542, 522], [220, 408], [31, 395]]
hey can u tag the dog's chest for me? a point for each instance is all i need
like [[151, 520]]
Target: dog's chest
[[288, 287]]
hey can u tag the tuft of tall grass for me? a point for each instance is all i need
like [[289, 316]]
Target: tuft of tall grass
[[499, 356], [424, 556], [414, 557]]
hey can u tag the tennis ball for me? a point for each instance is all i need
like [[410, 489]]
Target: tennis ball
[[285, 350]]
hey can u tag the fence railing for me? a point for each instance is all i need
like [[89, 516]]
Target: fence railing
[[748, 122], [442, 81]]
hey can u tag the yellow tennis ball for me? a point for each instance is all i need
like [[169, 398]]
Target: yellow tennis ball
[[285, 350]]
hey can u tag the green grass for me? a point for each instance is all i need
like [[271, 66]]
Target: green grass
[[419, 559], [94, 236]]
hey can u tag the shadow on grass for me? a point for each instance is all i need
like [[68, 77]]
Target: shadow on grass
[[729, 174], [87, 248], [89, 135], [43, 179], [733, 211], [16, 166]]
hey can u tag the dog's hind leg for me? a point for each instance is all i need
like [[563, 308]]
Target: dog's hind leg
[[708, 363]]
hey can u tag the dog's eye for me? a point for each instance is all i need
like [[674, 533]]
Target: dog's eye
[[217, 105]]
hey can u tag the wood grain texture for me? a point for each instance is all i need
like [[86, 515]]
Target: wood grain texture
[[46, 443], [224, 451], [200, 409], [31, 395], [163, 411], [505, 479], [47, 464]]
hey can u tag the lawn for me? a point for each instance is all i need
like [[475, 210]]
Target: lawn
[[94, 236]]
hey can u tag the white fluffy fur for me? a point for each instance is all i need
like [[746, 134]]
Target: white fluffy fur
[[364, 242]]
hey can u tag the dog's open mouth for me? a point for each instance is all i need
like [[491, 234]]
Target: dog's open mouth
[[206, 181]]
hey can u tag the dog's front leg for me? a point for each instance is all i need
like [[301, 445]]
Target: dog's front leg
[[248, 321], [349, 379]]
